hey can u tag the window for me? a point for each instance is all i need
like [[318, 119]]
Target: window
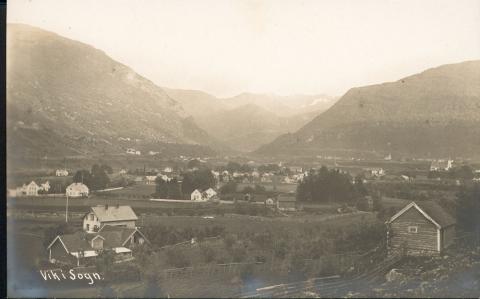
[[413, 229], [88, 227], [92, 217]]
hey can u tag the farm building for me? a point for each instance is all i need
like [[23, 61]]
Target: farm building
[[61, 172], [441, 165], [100, 216], [420, 228], [286, 203], [77, 190], [196, 195], [30, 189], [210, 194], [150, 179], [269, 202], [81, 248]]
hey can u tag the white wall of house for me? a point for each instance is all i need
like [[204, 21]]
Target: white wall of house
[[90, 221]]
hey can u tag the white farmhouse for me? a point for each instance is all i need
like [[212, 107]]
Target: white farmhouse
[[150, 179], [100, 216], [77, 190], [210, 194], [29, 190], [196, 195]]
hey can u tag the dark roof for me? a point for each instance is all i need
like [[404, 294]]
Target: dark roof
[[114, 236], [437, 213], [77, 241]]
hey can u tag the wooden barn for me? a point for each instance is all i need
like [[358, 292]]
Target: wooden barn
[[420, 228]]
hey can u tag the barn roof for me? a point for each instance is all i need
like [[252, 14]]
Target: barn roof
[[438, 213], [115, 236], [73, 242], [80, 241], [114, 213], [431, 210]]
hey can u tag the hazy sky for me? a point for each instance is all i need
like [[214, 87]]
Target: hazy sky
[[282, 47]]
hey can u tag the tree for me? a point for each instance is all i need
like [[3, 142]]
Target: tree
[[230, 187], [83, 176], [199, 179], [107, 168], [100, 179], [328, 185], [468, 209], [194, 163]]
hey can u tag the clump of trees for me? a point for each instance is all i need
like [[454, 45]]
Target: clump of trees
[[95, 179], [464, 172], [230, 187], [199, 179], [330, 185], [468, 209], [167, 189]]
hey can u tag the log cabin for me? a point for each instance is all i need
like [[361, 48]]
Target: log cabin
[[420, 228]]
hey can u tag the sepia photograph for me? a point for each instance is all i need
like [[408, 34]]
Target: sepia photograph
[[243, 149]]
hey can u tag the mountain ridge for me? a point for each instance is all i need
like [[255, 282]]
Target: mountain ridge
[[434, 107], [76, 93]]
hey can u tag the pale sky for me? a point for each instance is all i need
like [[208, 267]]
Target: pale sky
[[282, 47]]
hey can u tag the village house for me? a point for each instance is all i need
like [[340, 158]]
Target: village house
[[210, 194], [376, 172], [296, 169], [122, 171], [150, 179], [286, 202], [30, 189], [45, 187], [77, 190], [168, 170], [196, 195], [420, 228], [441, 165], [100, 216], [132, 151], [269, 202], [164, 177], [61, 172], [81, 248]]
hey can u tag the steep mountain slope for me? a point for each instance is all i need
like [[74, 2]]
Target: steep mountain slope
[[65, 97], [435, 113], [197, 103], [247, 127]]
